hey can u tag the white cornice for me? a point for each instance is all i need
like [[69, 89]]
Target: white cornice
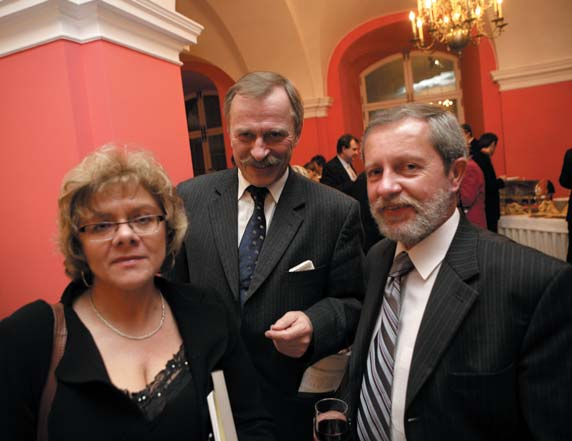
[[533, 75], [317, 107], [141, 25]]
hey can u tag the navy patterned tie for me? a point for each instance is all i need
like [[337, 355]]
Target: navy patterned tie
[[251, 242], [374, 411]]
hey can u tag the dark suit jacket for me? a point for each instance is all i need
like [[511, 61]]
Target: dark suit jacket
[[335, 175], [493, 358], [87, 406], [358, 191], [566, 181], [311, 222], [492, 186]]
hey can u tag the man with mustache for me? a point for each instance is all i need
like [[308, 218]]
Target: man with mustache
[[464, 335], [282, 252]]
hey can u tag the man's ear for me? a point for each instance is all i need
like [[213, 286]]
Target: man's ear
[[456, 173]]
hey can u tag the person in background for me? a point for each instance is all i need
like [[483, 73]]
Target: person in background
[[139, 349], [472, 143], [284, 253], [482, 156], [339, 172], [566, 182], [300, 170], [371, 232], [313, 171], [464, 334], [319, 162], [472, 193]]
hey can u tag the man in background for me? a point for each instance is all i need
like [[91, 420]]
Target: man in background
[[566, 182], [283, 253], [339, 172], [465, 335], [472, 143]]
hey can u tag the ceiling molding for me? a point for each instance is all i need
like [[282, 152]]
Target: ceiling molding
[[141, 25], [317, 107], [533, 75]]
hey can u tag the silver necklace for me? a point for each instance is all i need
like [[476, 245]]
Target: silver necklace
[[123, 334]]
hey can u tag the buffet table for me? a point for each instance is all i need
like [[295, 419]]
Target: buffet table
[[549, 235]]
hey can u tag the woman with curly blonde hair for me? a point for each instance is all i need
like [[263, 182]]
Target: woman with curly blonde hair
[[139, 350]]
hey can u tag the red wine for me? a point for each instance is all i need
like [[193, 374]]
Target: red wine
[[332, 430]]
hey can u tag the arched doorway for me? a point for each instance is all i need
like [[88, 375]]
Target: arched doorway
[[204, 123]]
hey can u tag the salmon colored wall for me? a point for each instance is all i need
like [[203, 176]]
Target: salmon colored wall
[[313, 134], [59, 102], [472, 89], [537, 131], [481, 97]]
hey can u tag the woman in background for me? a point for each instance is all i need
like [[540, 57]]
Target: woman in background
[[140, 350], [472, 193], [482, 156]]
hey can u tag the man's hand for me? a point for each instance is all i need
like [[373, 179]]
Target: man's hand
[[291, 334]]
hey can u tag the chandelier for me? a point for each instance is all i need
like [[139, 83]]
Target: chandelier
[[455, 23]]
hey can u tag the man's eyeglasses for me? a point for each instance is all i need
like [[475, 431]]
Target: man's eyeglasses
[[141, 225]]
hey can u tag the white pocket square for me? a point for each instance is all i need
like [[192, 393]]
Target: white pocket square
[[306, 265]]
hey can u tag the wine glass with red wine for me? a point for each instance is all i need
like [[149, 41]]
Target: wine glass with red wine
[[331, 423]]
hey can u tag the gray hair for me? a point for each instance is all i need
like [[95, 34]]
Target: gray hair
[[445, 133], [261, 84]]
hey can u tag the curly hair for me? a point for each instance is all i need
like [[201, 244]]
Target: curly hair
[[111, 165]]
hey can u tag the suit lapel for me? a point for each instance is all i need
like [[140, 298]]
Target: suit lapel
[[449, 302], [223, 213], [287, 218]]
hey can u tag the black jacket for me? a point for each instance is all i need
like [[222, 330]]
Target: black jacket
[[88, 407], [492, 358]]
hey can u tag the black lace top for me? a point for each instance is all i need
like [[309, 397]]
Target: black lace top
[[166, 385]]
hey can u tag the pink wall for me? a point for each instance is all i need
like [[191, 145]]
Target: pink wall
[[60, 101], [537, 131]]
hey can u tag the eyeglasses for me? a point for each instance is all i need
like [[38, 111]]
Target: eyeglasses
[[141, 225]]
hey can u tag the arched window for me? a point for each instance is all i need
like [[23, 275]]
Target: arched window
[[414, 77]]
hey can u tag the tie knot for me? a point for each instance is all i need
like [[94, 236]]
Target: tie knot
[[401, 265], [258, 193]]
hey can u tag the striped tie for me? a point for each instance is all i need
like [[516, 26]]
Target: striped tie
[[374, 411]]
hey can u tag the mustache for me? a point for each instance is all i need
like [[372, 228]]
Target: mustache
[[269, 161], [381, 204]]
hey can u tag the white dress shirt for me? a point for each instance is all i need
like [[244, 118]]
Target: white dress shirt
[[416, 287], [246, 203], [349, 169]]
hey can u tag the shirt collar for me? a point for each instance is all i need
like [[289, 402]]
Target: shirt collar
[[275, 189], [430, 252], [345, 163]]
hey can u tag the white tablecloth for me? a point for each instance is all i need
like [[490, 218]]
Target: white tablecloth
[[549, 235]]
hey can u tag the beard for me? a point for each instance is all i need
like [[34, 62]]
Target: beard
[[429, 215]]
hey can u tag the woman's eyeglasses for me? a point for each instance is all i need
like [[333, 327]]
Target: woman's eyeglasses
[[141, 225]]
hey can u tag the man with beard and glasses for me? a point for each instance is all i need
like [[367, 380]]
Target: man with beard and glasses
[[464, 334], [282, 252]]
